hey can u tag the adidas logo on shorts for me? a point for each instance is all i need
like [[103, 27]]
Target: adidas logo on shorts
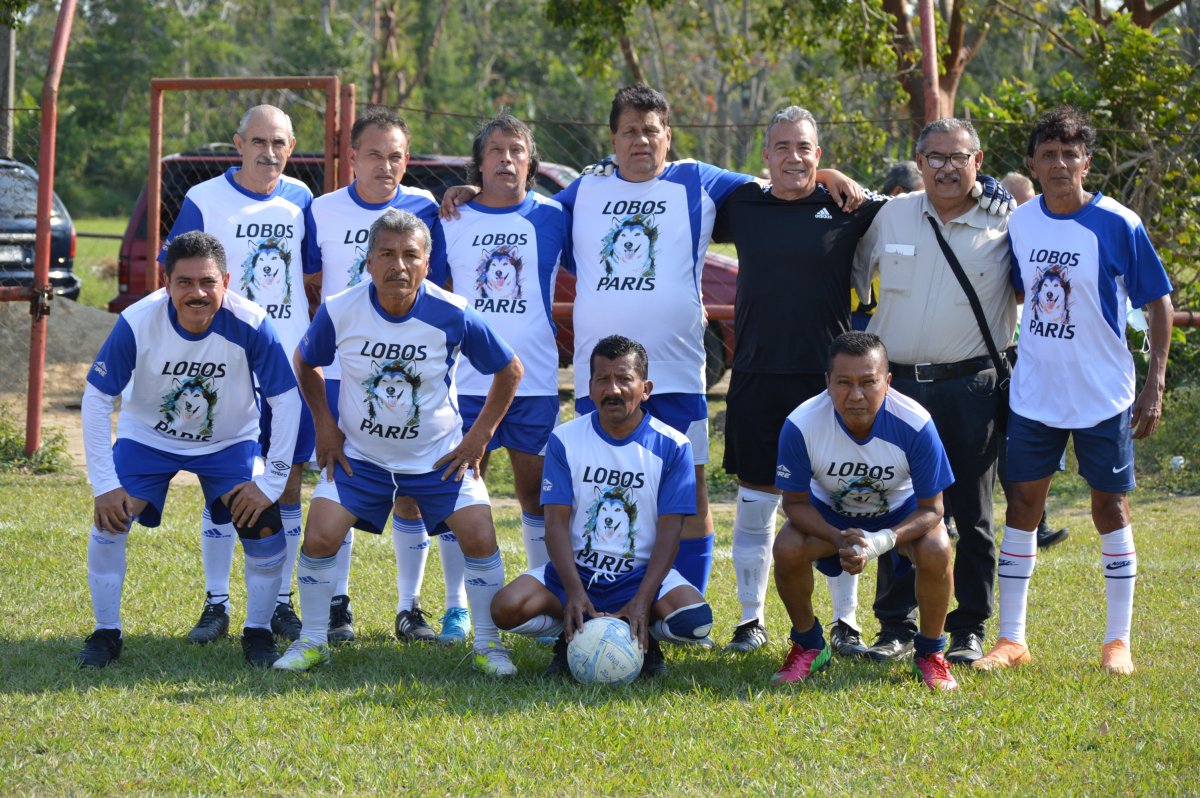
[[823, 214]]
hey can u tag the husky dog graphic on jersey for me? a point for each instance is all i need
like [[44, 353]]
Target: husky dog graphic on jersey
[[266, 273], [189, 408], [612, 519], [1051, 295], [392, 393], [499, 274], [628, 249], [860, 496], [354, 274]]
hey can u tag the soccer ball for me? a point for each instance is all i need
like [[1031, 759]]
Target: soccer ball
[[604, 652]]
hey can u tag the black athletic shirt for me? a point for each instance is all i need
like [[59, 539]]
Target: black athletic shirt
[[793, 287]]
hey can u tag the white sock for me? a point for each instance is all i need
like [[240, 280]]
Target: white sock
[[106, 576], [291, 514], [539, 626], [1018, 556], [533, 531], [843, 591], [485, 578], [453, 569], [316, 578], [1119, 558], [411, 546], [264, 560], [343, 565], [216, 552], [753, 535]]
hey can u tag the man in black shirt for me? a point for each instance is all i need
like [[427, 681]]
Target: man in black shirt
[[796, 256]]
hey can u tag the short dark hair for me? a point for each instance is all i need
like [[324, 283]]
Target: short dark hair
[[1064, 124], [618, 346], [642, 98], [902, 174], [856, 344], [505, 123], [401, 223], [383, 117], [194, 244]]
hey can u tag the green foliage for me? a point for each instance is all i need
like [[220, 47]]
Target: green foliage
[[1176, 437], [51, 458], [12, 13]]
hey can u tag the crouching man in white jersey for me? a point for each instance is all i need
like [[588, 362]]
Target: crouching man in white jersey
[[399, 432], [862, 472], [1079, 258], [178, 355], [617, 485]]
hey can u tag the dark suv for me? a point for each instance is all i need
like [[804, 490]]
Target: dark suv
[[435, 173], [18, 225]]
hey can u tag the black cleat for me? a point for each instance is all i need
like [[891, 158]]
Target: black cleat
[[411, 626], [965, 648], [341, 620], [558, 667], [258, 647], [284, 621], [1047, 537], [889, 648], [212, 626], [747, 637], [102, 647], [654, 664], [846, 640]]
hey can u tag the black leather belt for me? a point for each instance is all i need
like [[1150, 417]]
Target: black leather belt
[[928, 372]]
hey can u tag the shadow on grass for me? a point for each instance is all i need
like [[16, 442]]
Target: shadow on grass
[[419, 680]]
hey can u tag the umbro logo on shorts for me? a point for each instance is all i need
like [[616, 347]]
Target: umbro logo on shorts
[[823, 214]]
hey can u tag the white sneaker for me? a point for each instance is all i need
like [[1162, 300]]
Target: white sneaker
[[302, 655], [494, 660]]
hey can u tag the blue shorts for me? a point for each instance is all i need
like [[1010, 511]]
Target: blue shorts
[[832, 565], [526, 426], [606, 595], [306, 436], [686, 412], [145, 473], [1104, 452], [372, 491]]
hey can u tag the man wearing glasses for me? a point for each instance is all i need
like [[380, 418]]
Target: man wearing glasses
[[939, 357]]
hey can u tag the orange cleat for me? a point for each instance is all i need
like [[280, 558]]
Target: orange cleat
[[1005, 654], [1116, 659]]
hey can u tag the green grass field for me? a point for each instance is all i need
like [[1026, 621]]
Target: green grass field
[[383, 717], [96, 259]]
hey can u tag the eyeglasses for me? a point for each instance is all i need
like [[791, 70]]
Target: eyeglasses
[[958, 160]]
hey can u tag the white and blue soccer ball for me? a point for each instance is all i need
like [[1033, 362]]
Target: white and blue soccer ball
[[604, 652]]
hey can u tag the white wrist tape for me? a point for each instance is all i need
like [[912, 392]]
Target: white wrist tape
[[878, 543]]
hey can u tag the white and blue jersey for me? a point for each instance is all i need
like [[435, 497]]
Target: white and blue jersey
[[504, 261], [338, 226], [617, 489], [638, 251], [263, 237], [869, 485], [191, 394], [1074, 369], [397, 405]]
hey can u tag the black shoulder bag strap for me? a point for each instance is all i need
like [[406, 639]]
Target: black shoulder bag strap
[[1003, 373]]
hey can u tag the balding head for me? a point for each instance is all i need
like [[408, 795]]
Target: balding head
[[265, 141]]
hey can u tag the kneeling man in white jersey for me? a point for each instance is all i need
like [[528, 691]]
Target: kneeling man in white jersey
[[1079, 258], [862, 472], [399, 431], [175, 357], [616, 487]]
